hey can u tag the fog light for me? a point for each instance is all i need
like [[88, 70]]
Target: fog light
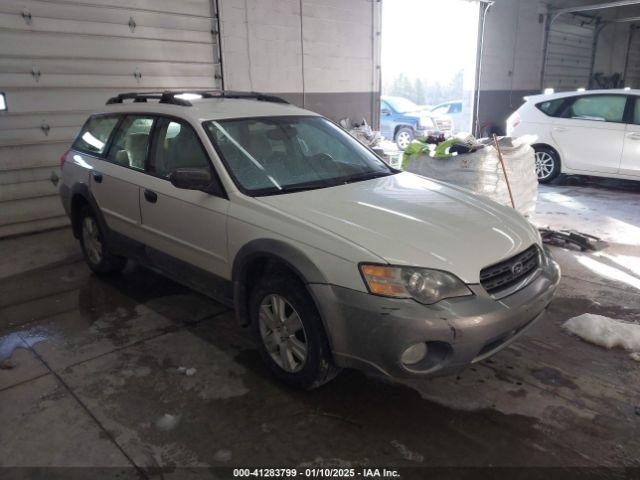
[[414, 354]]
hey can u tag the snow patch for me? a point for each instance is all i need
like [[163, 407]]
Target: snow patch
[[189, 372], [606, 332], [167, 422]]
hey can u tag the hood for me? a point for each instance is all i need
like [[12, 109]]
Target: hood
[[411, 220]]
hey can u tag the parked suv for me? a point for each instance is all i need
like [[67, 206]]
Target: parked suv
[[401, 120], [587, 133], [331, 257]]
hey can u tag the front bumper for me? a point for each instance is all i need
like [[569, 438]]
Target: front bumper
[[368, 332]]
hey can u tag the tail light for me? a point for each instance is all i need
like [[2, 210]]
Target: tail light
[[63, 158]]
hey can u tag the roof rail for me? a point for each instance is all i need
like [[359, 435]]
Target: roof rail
[[173, 97]]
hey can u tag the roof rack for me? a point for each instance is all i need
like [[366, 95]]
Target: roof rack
[[173, 97]]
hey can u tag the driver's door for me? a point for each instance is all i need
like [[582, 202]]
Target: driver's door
[[387, 125], [188, 225]]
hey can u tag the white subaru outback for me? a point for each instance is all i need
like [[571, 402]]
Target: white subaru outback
[[333, 258]]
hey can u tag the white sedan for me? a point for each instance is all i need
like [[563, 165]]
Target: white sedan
[[586, 133]]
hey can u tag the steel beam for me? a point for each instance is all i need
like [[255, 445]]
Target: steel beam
[[596, 6]]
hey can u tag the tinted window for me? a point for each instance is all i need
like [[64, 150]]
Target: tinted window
[[551, 107], [402, 105], [636, 111], [609, 108], [95, 134], [276, 155], [131, 142], [176, 146], [455, 108]]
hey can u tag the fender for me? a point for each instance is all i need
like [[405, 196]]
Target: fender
[[277, 250], [82, 190]]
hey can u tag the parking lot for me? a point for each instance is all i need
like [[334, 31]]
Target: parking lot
[[91, 373]]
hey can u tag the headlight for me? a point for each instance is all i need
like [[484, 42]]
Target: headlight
[[422, 284]]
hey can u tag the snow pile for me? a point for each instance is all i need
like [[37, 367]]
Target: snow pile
[[606, 332], [481, 172]]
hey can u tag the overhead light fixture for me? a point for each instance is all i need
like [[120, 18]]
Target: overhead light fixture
[[3, 102], [549, 91], [581, 89]]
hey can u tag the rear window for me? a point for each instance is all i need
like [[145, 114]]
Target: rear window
[[95, 134], [551, 107]]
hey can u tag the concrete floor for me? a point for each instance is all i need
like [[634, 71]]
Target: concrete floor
[[89, 373]]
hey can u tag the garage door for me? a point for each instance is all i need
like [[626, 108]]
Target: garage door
[[569, 53], [632, 70], [61, 59]]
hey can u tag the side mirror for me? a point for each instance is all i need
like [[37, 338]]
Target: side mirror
[[385, 112], [194, 179]]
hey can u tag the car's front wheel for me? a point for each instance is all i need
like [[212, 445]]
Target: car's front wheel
[[290, 333], [95, 252], [547, 164], [404, 136]]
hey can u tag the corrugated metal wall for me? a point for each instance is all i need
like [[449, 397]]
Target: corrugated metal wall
[[61, 59]]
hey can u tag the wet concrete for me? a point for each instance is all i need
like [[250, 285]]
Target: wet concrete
[[90, 375]]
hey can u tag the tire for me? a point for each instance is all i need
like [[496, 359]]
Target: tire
[[280, 342], [404, 136], [547, 164], [95, 252]]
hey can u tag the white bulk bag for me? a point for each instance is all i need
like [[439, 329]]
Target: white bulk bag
[[482, 173]]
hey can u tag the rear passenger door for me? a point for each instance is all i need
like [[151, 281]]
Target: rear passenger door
[[114, 178], [188, 225]]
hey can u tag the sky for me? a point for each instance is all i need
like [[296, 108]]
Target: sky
[[431, 39]]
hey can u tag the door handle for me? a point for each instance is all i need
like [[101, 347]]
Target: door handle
[[633, 135], [560, 129], [97, 176], [151, 197]]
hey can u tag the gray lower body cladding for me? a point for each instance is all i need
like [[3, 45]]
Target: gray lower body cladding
[[371, 333]]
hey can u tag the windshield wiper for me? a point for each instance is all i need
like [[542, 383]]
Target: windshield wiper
[[361, 177]]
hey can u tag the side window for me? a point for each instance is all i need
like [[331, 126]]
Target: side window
[[385, 106], [131, 142], [636, 111], [455, 108], [551, 107], [607, 108], [176, 145], [441, 110], [95, 134]]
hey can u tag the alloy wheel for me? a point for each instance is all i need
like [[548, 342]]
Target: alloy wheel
[[283, 333], [91, 240], [403, 140], [545, 164]]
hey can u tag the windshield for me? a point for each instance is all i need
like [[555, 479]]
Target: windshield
[[402, 105], [273, 155]]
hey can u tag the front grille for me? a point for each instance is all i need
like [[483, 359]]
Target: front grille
[[443, 124], [501, 276]]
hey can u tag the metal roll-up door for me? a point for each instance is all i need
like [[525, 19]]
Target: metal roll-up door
[[62, 59], [569, 54], [632, 68]]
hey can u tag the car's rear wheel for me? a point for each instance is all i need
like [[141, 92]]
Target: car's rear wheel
[[547, 164], [95, 252], [404, 136], [290, 333]]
